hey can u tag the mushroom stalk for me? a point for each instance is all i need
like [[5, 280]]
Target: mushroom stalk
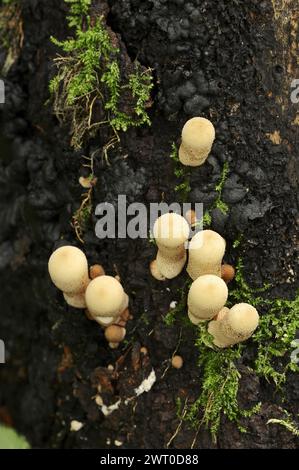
[[234, 325], [206, 297], [206, 250], [198, 135], [171, 231], [75, 300]]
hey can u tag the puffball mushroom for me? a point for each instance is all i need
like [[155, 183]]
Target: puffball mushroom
[[227, 272], [171, 231], [206, 250], [115, 333], [68, 269], [96, 270], [206, 297], [105, 299], [198, 135], [177, 362], [236, 325]]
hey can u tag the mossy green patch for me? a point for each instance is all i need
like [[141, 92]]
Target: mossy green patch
[[11, 32], [219, 387], [219, 376], [9, 439], [279, 322], [90, 80], [288, 423], [183, 187]]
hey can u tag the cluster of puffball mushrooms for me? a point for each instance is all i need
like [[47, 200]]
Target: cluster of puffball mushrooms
[[208, 293], [102, 296]]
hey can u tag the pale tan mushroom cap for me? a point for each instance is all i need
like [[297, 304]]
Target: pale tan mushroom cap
[[105, 297], [198, 135], [171, 230], [243, 318], [68, 269], [207, 293], [206, 250], [207, 246], [115, 333]]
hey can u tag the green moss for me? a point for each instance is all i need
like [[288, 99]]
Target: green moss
[[89, 75], [183, 188], [180, 311], [274, 337], [279, 322], [9, 439], [288, 423], [219, 187], [151, 239], [78, 10], [219, 387], [9, 2], [218, 203], [219, 376], [207, 219], [242, 292], [238, 241], [11, 33], [222, 206]]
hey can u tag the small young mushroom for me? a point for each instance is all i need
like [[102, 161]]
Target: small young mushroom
[[68, 269], [206, 297], [143, 350], [234, 326], [85, 182], [171, 231], [206, 250], [177, 362], [227, 272], [105, 299], [198, 135], [126, 315], [96, 270], [115, 333]]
